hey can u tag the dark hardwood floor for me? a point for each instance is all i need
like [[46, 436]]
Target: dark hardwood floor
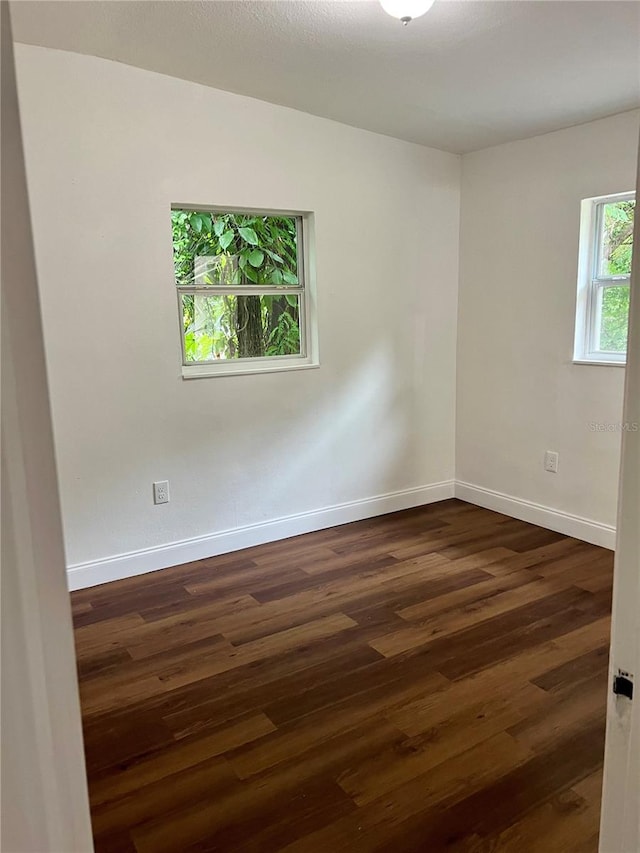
[[429, 680]]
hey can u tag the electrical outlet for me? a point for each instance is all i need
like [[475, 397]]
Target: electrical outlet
[[161, 492], [551, 461]]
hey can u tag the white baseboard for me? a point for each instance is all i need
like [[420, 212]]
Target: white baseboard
[[83, 575], [544, 516]]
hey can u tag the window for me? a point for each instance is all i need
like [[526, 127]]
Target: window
[[243, 299], [606, 245]]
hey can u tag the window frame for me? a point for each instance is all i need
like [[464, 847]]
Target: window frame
[[305, 291], [591, 284]]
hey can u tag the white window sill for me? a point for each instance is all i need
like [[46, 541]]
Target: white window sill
[[599, 362], [205, 371]]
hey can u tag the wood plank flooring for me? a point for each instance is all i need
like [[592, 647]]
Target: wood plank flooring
[[429, 680]]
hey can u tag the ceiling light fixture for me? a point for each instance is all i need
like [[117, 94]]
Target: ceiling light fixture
[[406, 10]]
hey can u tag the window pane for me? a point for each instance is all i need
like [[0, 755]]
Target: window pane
[[234, 249], [224, 327], [614, 321], [616, 238]]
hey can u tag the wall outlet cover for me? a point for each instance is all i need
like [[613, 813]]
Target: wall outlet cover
[[161, 492], [551, 461]]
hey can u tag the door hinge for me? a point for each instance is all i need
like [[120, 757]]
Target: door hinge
[[623, 684]]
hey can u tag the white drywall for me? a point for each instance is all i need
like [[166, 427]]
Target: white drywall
[[518, 393], [108, 149]]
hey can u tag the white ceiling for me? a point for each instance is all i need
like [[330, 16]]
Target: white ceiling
[[469, 74]]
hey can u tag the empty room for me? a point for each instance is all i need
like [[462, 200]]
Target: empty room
[[321, 426]]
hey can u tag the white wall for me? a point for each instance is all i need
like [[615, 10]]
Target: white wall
[[108, 149], [44, 793], [518, 393]]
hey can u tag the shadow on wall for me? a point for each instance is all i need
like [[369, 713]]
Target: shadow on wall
[[364, 411]]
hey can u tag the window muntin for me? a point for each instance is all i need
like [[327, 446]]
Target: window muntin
[[242, 298], [606, 248]]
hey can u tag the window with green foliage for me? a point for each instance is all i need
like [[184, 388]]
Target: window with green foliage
[[604, 285], [241, 287]]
